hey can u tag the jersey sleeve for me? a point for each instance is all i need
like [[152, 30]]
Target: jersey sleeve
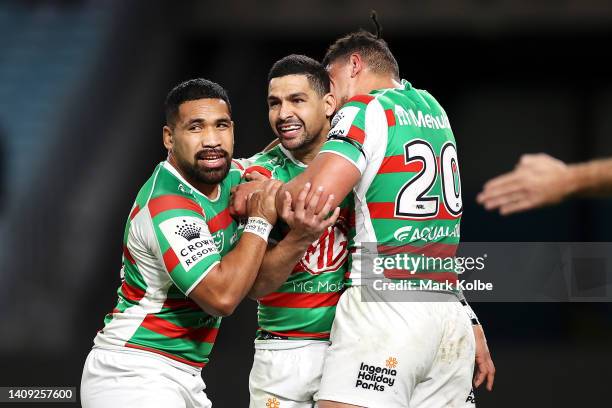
[[262, 164], [186, 246], [353, 132]]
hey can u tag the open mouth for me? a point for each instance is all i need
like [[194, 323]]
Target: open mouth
[[211, 158], [289, 130]]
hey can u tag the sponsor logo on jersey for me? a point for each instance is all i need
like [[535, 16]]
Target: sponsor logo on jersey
[[376, 378], [425, 234], [420, 119], [219, 241], [328, 252], [342, 122], [189, 239]]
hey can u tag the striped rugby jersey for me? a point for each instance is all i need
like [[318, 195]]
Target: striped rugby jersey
[[305, 305], [173, 237], [408, 200]]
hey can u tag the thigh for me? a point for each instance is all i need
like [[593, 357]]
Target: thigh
[[379, 351], [449, 382], [290, 377]]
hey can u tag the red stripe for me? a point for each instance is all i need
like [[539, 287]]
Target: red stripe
[[387, 211], [134, 212], [261, 170], [302, 300], [131, 292], [128, 255], [449, 277], [220, 221], [433, 249], [397, 164], [361, 98], [298, 333], [237, 164], [173, 202], [181, 304], [356, 134], [163, 353], [390, 117], [115, 310], [170, 260], [173, 331]]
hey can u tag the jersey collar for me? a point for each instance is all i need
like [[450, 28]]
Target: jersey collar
[[176, 174]]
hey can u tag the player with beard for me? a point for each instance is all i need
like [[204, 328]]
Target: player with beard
[[301, 278], [391, 146], [184, 264]]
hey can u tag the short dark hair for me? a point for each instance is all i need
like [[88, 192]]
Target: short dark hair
[[374, 51], [295, 64], [192, 90]]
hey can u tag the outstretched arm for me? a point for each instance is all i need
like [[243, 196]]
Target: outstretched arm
[[539, 180]]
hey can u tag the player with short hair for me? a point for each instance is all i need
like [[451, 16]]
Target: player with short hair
[[184, 262], [391, 145], [301, 278]]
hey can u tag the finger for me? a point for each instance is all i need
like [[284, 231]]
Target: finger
[[286, 212], [499, 181], [490, 375], [254, 175], [517, 206], [321, 215], [498, 191], [272, 187], [479, 376], [314, 202], [301, 200], [332, 219], [505, 199]]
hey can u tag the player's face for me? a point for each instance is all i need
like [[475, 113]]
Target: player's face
[[341, 82], [297, 113], [201, 142]]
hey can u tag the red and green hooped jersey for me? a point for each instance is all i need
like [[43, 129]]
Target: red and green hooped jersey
[[173, 237], [305, 305], [408, 200]]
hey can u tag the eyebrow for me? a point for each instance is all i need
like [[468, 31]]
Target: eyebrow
[[202, 121]]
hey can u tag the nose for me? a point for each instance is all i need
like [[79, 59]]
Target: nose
[[285, 111], [210, 137]]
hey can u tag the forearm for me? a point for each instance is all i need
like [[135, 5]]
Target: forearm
[[591, 178], [277, 264], [229, 282]]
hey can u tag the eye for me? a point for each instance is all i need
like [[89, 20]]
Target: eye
[[298, 100], [272, 104], [195, 128], [223, 125]]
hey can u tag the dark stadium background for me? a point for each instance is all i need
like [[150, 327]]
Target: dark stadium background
[[81, 90]]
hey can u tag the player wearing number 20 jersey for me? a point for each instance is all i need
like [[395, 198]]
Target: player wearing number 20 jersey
[[409, 197], [392, 147]]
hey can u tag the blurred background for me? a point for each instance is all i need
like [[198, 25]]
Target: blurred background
[[82, 85]]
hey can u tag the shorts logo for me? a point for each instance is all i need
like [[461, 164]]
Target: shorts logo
[[391, 362], [273, 403], [371, 377], [471, 398]]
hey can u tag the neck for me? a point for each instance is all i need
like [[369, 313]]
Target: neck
[[372, 82], [209, 190], [308, 153]]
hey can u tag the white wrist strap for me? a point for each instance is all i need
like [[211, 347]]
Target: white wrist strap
[[259, 227], [470, 312]]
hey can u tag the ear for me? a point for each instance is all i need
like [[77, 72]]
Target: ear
[[167, 138], [355, 64], [330, 104]]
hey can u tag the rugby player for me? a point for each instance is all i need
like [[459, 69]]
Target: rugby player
[[392, 146], [184, 262], [301, 278]]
